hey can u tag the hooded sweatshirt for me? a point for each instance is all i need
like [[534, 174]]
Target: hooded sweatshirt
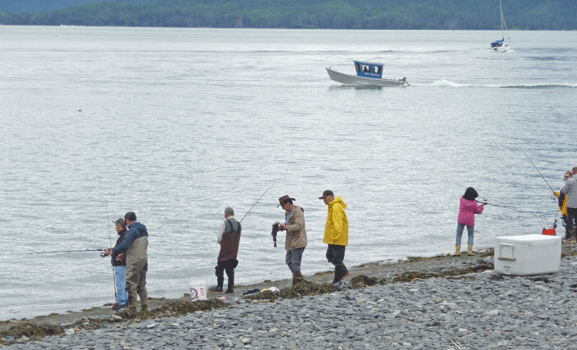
[[135, 231], [337, 227], [570, 189]]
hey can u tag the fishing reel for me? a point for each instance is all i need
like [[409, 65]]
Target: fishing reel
[[103, 255]]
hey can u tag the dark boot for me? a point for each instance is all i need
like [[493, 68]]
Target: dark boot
[[573, 234], [219, 284], [230, 288], [219, 273], [345, 272], [297, 277], [143, 294], [338, 274]]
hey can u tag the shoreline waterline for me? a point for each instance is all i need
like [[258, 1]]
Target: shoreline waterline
[[417, 292]]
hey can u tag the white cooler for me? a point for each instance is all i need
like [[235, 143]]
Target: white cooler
[[527, 254]]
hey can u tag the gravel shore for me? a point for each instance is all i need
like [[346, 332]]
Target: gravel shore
[[441, 309]]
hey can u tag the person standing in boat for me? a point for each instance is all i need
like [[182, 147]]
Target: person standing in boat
[[467, 210], [336, 234], [296, 236], [563, 207], [570, 189], [228, 237]]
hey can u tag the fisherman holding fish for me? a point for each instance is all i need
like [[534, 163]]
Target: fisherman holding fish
[[296, 236]]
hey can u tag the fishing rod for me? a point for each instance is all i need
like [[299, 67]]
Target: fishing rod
[[62, 251], [552, 190], [110, 240], [257, 201]]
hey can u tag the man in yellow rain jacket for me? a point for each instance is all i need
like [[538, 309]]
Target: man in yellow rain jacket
[[336, 234]]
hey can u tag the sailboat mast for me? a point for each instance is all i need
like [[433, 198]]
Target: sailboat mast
[[503, 23], [502, 18]]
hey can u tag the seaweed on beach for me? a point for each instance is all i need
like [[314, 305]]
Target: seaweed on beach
[[31, 331], [302, 288], [411, 276], [414, 276], [362, 281], [174, 308], [413, 259]]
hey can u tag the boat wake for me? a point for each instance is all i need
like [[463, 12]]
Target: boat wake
[[451, 84], [541, 86]]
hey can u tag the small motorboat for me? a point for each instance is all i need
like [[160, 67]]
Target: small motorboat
[[367, 74]]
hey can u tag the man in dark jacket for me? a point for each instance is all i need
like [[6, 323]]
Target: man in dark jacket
[[228, 237], [135, 244]]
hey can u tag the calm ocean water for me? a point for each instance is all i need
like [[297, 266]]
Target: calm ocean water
[[177, 124]]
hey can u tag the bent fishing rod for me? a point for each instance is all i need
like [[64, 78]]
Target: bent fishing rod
[[257, 201]]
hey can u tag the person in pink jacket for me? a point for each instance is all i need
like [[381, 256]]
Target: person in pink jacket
[[467, 211]]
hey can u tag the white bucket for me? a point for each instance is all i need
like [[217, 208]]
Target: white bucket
[[197, 290]]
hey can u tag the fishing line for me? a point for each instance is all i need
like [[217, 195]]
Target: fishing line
[[108, 223], [110, 239], [511, 208], [544, 218], [541, 217]]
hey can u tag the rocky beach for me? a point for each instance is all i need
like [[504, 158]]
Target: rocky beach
[[443, 302]]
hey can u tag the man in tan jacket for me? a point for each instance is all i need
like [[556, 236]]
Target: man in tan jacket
[[296, 236]]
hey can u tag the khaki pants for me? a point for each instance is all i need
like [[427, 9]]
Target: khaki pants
[[136, 282]]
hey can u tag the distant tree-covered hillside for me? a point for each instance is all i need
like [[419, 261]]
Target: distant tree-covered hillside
[[337, 14], [21, 6]]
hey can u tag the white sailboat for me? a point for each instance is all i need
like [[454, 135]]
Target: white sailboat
[[502, 45]]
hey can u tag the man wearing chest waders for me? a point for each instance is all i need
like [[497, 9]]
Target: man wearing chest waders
[[228, 237], [135, 244]]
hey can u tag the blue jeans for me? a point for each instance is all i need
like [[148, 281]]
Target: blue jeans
[[122, 294], [470, 231], [293, 259]]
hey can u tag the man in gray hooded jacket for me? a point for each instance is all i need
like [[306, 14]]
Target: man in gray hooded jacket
[[570, 189], [135, 245]]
